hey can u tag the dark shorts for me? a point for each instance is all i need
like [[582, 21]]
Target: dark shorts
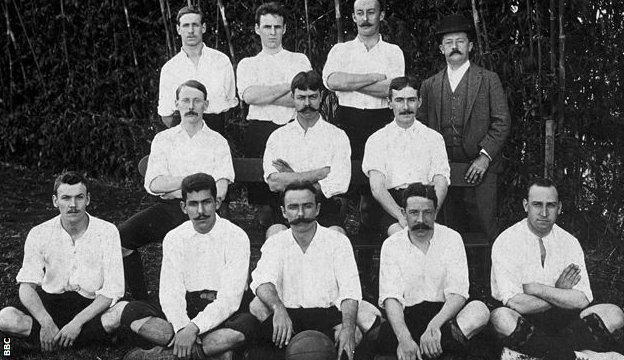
[[417, 317], [319, 319], [151, 224], [359, 124], [329, 215], [552, 321], [196, 301], [63, 308], [375, 220], [255, 137]]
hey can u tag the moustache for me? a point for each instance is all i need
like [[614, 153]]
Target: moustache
[[421, 226], [201, 217], [366, 23], [301, 220], [406, 112], [309, 109], [191, 112], [455, 51]]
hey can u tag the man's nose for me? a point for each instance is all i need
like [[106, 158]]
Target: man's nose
[[544, 211]]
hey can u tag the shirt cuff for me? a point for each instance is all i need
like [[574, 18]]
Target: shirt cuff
[[485, 153], [384, 297]]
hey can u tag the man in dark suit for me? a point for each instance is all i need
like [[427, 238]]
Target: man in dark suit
[[467, 105]]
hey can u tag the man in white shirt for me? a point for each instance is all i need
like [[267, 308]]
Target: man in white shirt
[[540, 278], [359, 71], [403, 152], [264, 83], [197, 61], [309, 149], [467, 105], [202, 280], [307, 279], [185, 149], [423, 285], [71, 277]]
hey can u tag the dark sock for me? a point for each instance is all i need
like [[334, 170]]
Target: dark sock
[[453, 339], [532, 341], [133, 275], [590, 333]]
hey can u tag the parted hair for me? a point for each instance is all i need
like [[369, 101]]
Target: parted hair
[[198, 182], [304, 185], [270, 8], [541, 182], [401, 82], [420, 190], [190, 10], [192, 84], [70, 178], [306, 80]]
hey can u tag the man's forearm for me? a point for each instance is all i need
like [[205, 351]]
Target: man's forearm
[[383, 197], [32, 302], [222, 188], [563, 298], [453, 304], [279, 180], [440, 184], [268, 294], [378, 89], [264, 95], [349, 309], [286, 101], [528, 304], [165, 183], [98, 306], [342, 81], [394, 311]]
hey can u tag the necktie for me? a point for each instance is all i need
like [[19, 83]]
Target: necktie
[[542, 251]]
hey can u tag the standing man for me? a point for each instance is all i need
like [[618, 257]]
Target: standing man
[[467, 105], [202, 280], [540, 278], [264, 83], [71, 277], [309, 149], [196, 61], [359, 71], [403, 152], [184, 149], [423, 285]]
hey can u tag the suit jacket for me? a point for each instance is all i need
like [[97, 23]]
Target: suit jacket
[[486, 117]]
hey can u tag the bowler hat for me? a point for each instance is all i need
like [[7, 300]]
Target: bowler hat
[[454, 23]]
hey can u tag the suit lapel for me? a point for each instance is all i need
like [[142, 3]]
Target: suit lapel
[[475, 75], [437, 97]]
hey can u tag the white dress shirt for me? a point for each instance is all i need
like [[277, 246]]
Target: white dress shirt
[[455, 76], [91, 266], [192, 261], [323, 276], [174, 153], [406, 156], [353, 57], [411, 276], [214, 71], [516, 260], [270, 69], [321, 145]]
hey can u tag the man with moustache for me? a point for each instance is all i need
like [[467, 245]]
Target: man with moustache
[[403, 152], [423, 285], [467, 105], [202, 280], [287, 158], [185, 149], [540, 278], [71, 277], [197, 61], [307, 279], [264, 83]]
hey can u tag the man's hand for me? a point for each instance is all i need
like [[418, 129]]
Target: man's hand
[[68, 334], [184, 339], [430, 342], [47, 334], [346, 342], [570, 276], [282, 327], [282, 166], [477, 169], [408, 350]]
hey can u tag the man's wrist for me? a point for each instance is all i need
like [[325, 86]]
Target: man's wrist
[[191, 326]]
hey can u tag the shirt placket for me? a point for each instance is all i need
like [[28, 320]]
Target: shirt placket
[[73, 269]]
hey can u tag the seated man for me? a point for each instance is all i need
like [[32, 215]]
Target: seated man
[[71, 277], [202, 280], [185, 149], [423, 285], [539, 275], [307, 279], [309, 149], [403, 152]]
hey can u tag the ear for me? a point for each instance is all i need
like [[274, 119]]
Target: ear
[[55, 201], [87, 199], [203, 28], [183, 206], [257, 29], [560, 208], [382, 15], [403, 212], [441, 47], [525, 205], [283, 29], [470, 45], [353, 17], [283, 212], [218, 203], [178, 29]]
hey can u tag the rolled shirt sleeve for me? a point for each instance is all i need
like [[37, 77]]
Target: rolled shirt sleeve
[[166, 91], [347, 275], [391, 282], [270, 154], [579, 259], [339, 177], [268, 268], [456, 281], [33, 263], [439, 163], [156, 163], [506, 273], [245, 76], [373, 156], [333, 63], [172, 293], [224, 169], [113, 275]]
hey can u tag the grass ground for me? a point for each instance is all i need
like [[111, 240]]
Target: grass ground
[[26, 201]]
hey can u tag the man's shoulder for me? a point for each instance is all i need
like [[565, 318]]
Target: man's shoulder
[[45, 227], [380, 134], [510, 235], [102, 224], [216, 54], [180, 231], [431, 78], [235, 231], [564, 235]]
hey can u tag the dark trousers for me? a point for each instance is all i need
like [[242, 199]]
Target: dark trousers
[[359, 124], [320, 319], [255, 138]]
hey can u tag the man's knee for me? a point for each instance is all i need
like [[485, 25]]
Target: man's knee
[[274, 229], [220, 337], [111, 318], [504, 320], [473, 317], [14, 321], [394, 228], [610, 314]]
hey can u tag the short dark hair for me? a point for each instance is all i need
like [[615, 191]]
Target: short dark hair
[[192, 84], [198, 182], [420, 190], [382, 5], [306, 80], [270, 8], [70, 178], [541, 182], [304, 185], [401, 82], [190, 10]]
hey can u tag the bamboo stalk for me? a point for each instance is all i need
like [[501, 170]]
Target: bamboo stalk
[[562, 74], [307, 19], [216, 46], [549, 126], [486, 40], [475, 19], [32, 50], [530, 21], [338, 21], [63, 27], [171, 28], [134, 55], [167, 36], [11, 36], [227, 30]]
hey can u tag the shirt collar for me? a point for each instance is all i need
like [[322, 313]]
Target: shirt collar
[[459, 72], [415, 128], [264, 53], [531, 234], [408, 242], [361, 43], [297, 126], [179, 129], [215, 229], [60, 227]]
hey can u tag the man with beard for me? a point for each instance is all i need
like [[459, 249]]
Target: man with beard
[[540, 278], [467, 105], [423, 285], [197, 61], [309, 149], [307, 279], [202, 280], [403, 152], [185, 149]]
